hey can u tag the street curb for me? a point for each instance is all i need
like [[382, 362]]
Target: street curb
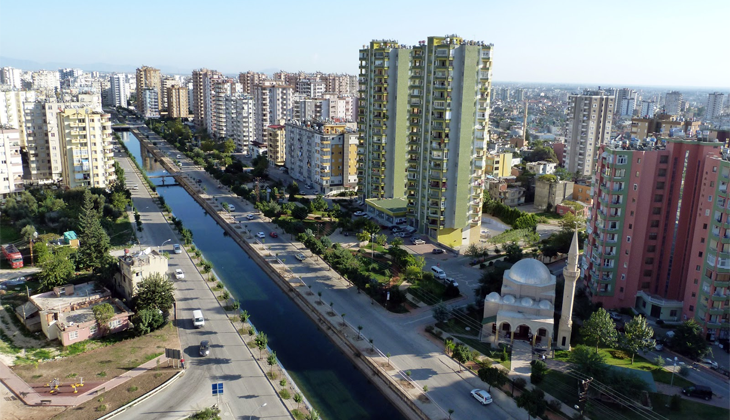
[[143, 397]]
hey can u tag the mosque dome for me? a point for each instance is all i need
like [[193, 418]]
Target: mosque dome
[[530, 271], [526, 301], [545, 304], [493, 297], [509, 299]]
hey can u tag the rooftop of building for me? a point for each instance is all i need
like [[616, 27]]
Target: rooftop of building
[[653, 143], [393, 205], [84, 315], [69, 295], [140, 258]]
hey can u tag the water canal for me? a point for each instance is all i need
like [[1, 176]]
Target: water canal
[[328, 379]]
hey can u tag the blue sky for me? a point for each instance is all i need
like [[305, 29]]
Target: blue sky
[[667, 43]]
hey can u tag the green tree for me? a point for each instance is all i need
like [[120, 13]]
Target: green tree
[[688, 340], [147, 320], [600, 329], [413, 273], [533, 402], [261, 342], [271, 361], [42, 253], [396, 243], [570, 222], [155, 292], [94, 242], [637, 336], [292, 189], [119, 200], [588, 362], [538, 371], [462, 354], [363, 236], [318, 204], [227, 147], [300, 212], [493, 376], [441, 312], [514, 252], [103, 313], [381, 239], [57, 271], [313, 415]]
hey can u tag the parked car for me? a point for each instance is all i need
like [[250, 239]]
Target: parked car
[[250, 216], [231, 208], [482, 396], [179, 156], [274, 235], [451, 281], [360, 213], [709, 363], [261, 235], [615, 316], [417, 241], [177, 249], [179, 274], [437, 251], [699, 391], [204, 348], [659, 347], [300, 257]]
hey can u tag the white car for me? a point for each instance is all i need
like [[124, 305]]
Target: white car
[[359, 213], [418, 241], [451, 281], [710, 363], [300, 257], [231, 208], [179, 274], [261, 235], [482, 396], [250, 216], [177, 249]]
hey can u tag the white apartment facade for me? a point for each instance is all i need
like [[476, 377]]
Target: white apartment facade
[[240, 120], [715, 102], [47, 80], [673, 103], [150, 103], [589, 126], [10, 76], [118, 90], [11, 163], [273, 103]]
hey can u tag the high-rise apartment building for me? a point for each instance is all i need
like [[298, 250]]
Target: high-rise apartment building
[[673, 103], [423, 114], [648, 109], [167, 82], [240, 120], [715, 102], [148, 78], [150, 103], [626, 102], [85, 140], [11, 163], [46, 80], [275, 136], [11, 77], [177, 102], [118, 90], [274, 102], [322, 154], [589, 126], [250, 79], [656, 232], [198, 103]]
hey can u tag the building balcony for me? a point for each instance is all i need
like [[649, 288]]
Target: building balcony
[[718, 311], [721, 284], [720, 298]]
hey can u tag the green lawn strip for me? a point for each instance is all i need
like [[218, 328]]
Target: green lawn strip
[[689, 409], [485, 349], [428, 291], [640, 363]]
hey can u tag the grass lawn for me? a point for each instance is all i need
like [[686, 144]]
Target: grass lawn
[[515, 235], [689, 409], [485, 349], [549, 215], [103, 362], [120, 232], [430, 292], [640, 363], [8, 233]]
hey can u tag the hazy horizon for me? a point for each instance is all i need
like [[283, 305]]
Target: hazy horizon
[[619, 44]]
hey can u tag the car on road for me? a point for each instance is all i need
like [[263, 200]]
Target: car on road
[[615, 316], [231, 208], [178, 156], [274, 235], [250, 216], [179, 274], [451, 281], [261, 235], [709, 363], [699, 391], [418, 241], [437, 251], [659, 347], [177, 249], [204, 348], [300, 257], [482, 396], [360, 213]]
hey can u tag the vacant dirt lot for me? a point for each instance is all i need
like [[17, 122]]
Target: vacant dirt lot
[[12, 408], [101, 364]]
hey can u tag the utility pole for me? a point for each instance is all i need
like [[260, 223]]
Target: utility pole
[[583, 395]]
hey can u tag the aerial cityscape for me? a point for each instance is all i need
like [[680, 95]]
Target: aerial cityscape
[[486, 214]]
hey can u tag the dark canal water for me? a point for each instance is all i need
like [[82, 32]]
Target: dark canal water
[[327, 378]]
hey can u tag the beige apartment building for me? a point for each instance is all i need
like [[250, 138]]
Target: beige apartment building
[[147, 77], [85, 138], [276, 144], [135, 268], [177, 102]]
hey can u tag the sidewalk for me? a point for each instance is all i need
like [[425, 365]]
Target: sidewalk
[[30, 395]]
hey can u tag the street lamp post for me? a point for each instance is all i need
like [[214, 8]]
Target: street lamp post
[[673, 370], [163, 244], [372, 245], [257, 409]]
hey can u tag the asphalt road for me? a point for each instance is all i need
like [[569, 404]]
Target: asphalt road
[[230, 362], [399, 335]]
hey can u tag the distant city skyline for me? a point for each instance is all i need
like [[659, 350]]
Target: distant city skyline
[[570, 42]]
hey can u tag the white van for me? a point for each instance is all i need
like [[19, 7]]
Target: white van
[[438, 273], [198, 320]]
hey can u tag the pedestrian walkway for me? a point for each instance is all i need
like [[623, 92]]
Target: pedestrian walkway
[[521, 358], [31, 396]]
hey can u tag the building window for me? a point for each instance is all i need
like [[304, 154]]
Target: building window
[[704, 226], [663, 159], [656, 210], [645, 285], [115, 323], [698, 268], [648, 273], [636, 186], [621, 289], [691, 308], [658, 198], [649, 260], [709, 198], [662, 172], [93, 329], [653, 235], [714, 169], [693, 293], [700, 254], [628, 239], [73, 335], [673, 312]]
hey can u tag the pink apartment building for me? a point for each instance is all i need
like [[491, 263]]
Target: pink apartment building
[[657, 231]]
